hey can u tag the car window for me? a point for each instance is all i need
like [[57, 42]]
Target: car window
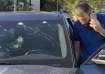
[[99, 56], [24, 38]]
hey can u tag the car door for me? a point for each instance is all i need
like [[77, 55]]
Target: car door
[[95, 64]]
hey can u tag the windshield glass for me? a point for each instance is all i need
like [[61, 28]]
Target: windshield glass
[[33, 39]]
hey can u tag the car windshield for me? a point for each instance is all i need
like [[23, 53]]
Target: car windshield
[[31, 39]]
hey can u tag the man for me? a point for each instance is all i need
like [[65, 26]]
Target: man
[[89, 31]]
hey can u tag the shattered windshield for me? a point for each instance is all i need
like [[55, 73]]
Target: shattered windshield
[[24, 38]]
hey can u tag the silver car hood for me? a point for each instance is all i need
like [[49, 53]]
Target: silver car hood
[[34, 69]]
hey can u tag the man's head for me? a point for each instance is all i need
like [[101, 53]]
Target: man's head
[[83, 12]]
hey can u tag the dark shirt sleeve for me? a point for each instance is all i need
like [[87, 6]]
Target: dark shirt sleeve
[[76, 32]]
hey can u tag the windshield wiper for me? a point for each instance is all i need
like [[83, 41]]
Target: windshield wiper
[[7, 63], [30, 57]]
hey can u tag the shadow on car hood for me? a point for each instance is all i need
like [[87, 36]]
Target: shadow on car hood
[[34, 69]]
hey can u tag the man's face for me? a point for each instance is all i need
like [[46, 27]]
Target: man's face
[[82, 16]]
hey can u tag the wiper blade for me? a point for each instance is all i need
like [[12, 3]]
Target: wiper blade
[[6, 63], [30, 57]]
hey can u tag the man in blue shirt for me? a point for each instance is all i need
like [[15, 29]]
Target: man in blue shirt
[[89, 31]]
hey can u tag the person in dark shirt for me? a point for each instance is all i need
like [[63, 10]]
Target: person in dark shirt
[[89, 31]]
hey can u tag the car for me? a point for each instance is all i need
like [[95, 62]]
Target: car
[[41, 43]]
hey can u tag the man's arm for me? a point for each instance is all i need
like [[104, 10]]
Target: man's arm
[[76, 39], [96, 25], [102, 32], [77, 48]]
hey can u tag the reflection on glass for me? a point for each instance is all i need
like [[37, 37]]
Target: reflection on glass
[[39, 39]]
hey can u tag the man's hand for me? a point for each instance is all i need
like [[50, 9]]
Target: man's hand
[[95, 24]]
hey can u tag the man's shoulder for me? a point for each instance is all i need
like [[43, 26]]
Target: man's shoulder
[[76, 24]]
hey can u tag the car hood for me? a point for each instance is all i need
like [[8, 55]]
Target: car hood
[[34, 69]]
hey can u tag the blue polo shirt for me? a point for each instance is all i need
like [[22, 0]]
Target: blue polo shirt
[[90, 40]]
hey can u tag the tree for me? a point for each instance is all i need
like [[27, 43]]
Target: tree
[[69, 5], [23, 5], [97, 5], [49, 5], [6, 5]]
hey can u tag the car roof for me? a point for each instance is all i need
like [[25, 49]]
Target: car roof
[[29, 16]]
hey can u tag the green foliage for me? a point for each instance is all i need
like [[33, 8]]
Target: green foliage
[[48, 5], [6, 5], [24, 8], [69, 5], [51, 5], [98, 5]]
